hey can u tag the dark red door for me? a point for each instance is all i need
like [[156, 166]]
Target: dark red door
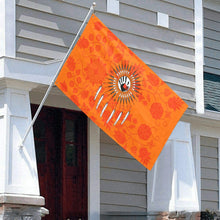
[[74, 155], [61, 150]]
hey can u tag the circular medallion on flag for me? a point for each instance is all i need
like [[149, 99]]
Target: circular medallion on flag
[[123, 83]]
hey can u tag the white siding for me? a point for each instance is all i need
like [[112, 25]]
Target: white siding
[[45, 29], [209, 174], [123, 180]]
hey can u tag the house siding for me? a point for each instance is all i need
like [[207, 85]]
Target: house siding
[[212, 41], [45, 29], [209, 174], [211, 59], [123, 183]]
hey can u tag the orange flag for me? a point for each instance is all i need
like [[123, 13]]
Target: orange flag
[[120, 93]]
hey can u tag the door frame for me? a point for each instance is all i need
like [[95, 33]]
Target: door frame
[[85, 143]]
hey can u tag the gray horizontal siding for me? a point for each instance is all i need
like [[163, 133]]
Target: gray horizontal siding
[[123, 180], [209, 173], [45, 29], [212, 59], [212, 41]]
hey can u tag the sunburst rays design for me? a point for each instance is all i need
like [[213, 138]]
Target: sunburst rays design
[[122, 86], [123, 83]]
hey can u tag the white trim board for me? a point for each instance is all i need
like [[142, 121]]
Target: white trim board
[[199, 57], [93, 171]]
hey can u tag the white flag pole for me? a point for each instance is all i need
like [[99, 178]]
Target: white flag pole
[[92, 8]]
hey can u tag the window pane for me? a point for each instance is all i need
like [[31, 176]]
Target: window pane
[[40, 151], [71, 155], [71, 131], [211, 91]]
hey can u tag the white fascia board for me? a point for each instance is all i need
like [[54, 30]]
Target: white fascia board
[[29, 71]]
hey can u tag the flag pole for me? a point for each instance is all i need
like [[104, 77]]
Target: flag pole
[[92, 8]]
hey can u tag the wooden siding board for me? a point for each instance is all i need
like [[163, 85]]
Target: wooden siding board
[[32, 57], [123, 187], [211, 15], [165, 62], [60, 8], [178, 74], [212, 34], [148, 17], [50, 21], [211, 70], [40, 49], [121, 163], [100, 4], [105, 139], [211, 47], [42, 34], [209, 173], [164, 7], [212, 53], [213, 25], [123, 175], [182, 91], [208, 141], [210, 152], [212, 63], [146, 30], [207, 184], [123, 199], [209, 43], [207, 205], [209, 162], [209, 195], [120, 208], [138, 14], [184, 3], [181, 26], [154, 46], [115, 151]]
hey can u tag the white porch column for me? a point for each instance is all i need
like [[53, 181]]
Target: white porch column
[[172, 181], [94, 171], [18, 172]]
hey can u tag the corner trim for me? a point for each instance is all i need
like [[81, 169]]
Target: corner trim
[[199, 57], [93, 171]]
